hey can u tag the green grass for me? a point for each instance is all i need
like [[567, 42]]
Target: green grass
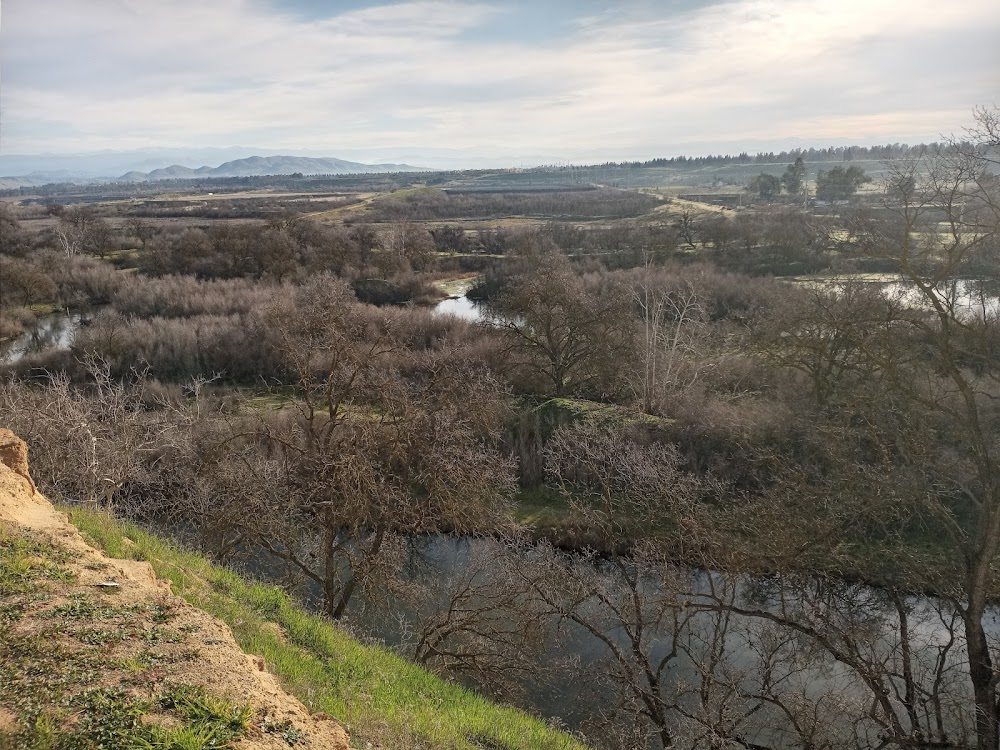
[[378, 696], [542, 508], [613, 415], [26, 563], [44, 308], [110, 719], [52, 668]]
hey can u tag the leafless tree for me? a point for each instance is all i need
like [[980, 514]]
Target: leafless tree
[[931, 411], [671, 320], [365, 455], [476, 621], [563, 332]]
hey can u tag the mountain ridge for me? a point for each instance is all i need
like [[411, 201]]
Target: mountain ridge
[[256, 166]]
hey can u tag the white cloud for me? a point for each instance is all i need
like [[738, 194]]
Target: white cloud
[[130, 73]]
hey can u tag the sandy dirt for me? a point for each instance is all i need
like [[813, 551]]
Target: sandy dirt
[[220, 666]]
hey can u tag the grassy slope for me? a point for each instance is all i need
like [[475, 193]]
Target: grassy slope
[[73, 674], [379, 697]]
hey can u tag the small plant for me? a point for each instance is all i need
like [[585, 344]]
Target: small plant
[[284, 729], [108, 719], [100, 636], [200, 708], [160, 634], [162, 613], [24, 560], [113, 720]]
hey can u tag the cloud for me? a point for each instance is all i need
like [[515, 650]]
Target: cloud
[[135, 73]]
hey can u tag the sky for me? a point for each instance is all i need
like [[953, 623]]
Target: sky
[[539, 81]]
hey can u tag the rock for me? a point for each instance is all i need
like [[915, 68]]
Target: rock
[[14, 455]]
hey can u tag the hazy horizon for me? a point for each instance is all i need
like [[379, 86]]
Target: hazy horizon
[[451, 84]]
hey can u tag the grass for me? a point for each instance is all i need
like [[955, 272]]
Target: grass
[[61, 688], [378, 696], [44, 308], [542, 508], [612, 415]]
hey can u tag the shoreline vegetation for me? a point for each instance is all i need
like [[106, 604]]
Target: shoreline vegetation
[[378, 696]]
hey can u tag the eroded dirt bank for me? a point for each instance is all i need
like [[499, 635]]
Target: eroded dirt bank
[[103, 623]]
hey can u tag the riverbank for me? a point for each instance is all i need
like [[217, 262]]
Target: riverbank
[[380, 698], [117, 633]]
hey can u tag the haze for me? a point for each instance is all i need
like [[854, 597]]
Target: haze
[[461, 84]]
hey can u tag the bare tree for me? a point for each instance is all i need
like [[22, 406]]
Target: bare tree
[[686, 227], [563, 332], [934, 413], [141, 229], [631, 604], [475, 620], [671, 320], [90, 446], [367, 456]]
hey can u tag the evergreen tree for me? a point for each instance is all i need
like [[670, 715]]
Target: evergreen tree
[[793, 180]]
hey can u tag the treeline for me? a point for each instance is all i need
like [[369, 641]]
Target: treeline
[[832, 153], [381, 182]]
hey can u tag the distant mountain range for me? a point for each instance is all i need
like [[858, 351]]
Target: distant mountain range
[[28, 171], [255, 166]]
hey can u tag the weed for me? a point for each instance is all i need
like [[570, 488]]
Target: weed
[[163, 613], [284, 729], [198, 706], [10, 613], [160, 634], [113, 720], [24, 560], [100, 636]]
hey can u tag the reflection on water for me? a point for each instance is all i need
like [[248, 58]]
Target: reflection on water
[[467, 309], [52, 332], [979, 298], [606, 635], [462, 307]]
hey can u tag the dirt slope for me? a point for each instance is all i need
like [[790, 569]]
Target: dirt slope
[[163, 640]]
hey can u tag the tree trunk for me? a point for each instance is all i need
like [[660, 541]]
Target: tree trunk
[[981, 674], [345, 596]]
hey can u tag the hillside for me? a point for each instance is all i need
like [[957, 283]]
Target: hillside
[[141, 645], [255, 166], [91, 645]]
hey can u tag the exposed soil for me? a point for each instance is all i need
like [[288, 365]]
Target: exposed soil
[[189, 646]]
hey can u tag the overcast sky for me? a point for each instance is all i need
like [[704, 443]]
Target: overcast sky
[[577, 80]]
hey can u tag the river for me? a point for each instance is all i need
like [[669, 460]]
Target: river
[[54, 331], [969, 297], [577, 638], [458, 304]]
